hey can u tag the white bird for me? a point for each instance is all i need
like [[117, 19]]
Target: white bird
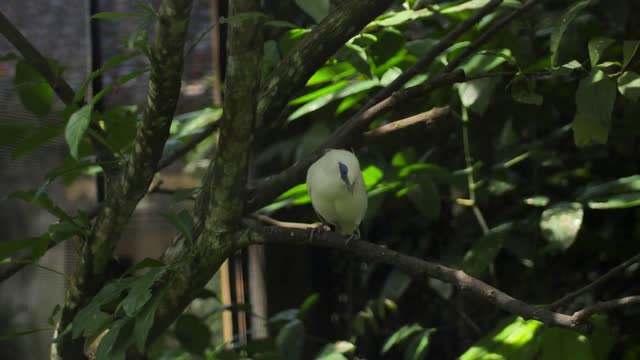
[[337, 191]]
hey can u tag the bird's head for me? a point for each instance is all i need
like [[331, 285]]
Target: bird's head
[[344, 175]]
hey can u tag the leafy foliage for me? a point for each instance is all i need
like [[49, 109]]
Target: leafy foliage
[[498, 189]]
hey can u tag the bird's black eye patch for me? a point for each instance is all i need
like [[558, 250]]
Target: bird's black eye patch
[[344, 170]]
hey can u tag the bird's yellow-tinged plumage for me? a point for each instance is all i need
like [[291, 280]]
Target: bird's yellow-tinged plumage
[[337, 190]]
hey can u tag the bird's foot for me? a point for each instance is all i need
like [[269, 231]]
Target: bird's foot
[[318, 229], [354, 236]]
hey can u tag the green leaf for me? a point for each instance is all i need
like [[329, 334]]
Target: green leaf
[[523, 94], [371, 176], [144, 320], [193, 334], [629, 49], [317, 9], [399, 336], [476, 94], [319, 93], [395, 284], [484, 62], [560, 224], [114, 15], [109, 64], [33, 90], [37, 137], [426, 198], [307, 304], [618, 186], [561, 28], [629, 85], [560, 343], [285, 315], [86, 316], [331, 73], [567, 68], [41, 246], [290, 340], [182, 221], [417, 348], [140, 292], [595, 98], [597, 46], [513, 338], [350, 89], [42, 200], [356, 56], [280, 24], [10, 247], [619, 201], [113, 345], [145, 263], [99, 322], [76, 127], [477, 260], [12, 132], [336, 351], [587, 130]]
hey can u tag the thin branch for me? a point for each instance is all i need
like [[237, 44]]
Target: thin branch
[[267, 189], [36, 59], [604, 306], [594, 284], [346, 136], [64, 91], [188, 146], [307, 56], [132, 183], [431, 55], [420, 269], [486, 35], [426, 117]]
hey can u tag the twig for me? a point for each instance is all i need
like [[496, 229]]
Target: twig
[[284, 224], [188, 146], [604, 306], [36, 59], [420, 268], [346, 136], [486, 35], [64, 91], [30, 262], [431, 55], [306, 56], [398, 125], [471, 183], [597, 282], [270, 187]]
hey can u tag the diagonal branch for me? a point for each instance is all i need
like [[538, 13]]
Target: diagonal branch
[[36, 59], [594, 284], [220, 204], [307, 56], [420, 268], [188, 146], [64, 91], [131, 184], [426, 117], [431, 55], [267, 189]]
